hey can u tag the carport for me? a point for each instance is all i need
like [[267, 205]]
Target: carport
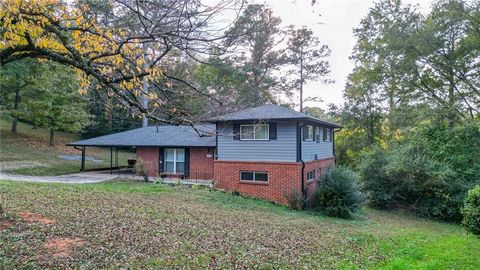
[[113, 156], [155, 144]]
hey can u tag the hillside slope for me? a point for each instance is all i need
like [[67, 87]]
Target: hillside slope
[[28, 152]]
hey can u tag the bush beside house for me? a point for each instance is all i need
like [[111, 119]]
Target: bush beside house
[[471, 211], [338, 193], [141, 169]]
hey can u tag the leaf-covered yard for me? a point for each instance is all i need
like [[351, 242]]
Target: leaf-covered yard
[[138, 225]]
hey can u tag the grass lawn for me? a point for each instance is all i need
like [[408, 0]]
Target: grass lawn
[[30, 146], [135, 225]]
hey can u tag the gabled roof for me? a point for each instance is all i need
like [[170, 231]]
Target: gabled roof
[[269, 112], [182, 136]]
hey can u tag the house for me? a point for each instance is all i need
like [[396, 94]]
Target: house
[[266, 152]]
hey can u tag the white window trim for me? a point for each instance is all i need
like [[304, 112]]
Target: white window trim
[[174, 159], [254, 131], [313, 133], [312, 173], [254, 181], [328, 136]]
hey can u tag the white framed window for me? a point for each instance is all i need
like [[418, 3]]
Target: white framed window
[[308, 134], [318, 134], [175, 160], [311, 175], [254, 176], [327, 135], [258, 132]]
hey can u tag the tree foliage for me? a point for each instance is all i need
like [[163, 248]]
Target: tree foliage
[[428, 172], [103, 45], [411, 106], [306, 58], [471, 211], [54, 102]]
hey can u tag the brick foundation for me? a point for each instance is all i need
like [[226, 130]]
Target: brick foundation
[[283, 177], [150, 156], [319, 166]]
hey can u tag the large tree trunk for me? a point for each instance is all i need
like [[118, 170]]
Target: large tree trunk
[[14, 125], [15, 106], [301, 83], [52, 141]]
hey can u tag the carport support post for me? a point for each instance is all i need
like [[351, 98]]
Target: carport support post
[[82, 166], [111, 160], [116, 156]]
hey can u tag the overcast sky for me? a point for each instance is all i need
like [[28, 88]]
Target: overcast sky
[[332, 21]]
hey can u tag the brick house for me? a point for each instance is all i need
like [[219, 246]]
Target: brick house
[[265, 152]]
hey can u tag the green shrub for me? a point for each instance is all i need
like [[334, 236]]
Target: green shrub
[[422, 184], [471, 211], [337, 193], [141, 169], [295, 199], [407, 177], [375, 183]]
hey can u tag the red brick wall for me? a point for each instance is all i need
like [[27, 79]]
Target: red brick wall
[[201, 163], [201, 166], [150, 156], [283, 177], [319, 166]]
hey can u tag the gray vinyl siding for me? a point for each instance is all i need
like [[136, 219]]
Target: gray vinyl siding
[[321, 149], [284, 148]]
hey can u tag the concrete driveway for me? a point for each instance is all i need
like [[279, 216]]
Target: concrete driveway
[[76, 178]]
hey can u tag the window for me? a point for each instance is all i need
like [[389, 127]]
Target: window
[[327, 135], [308, 134], [254, 176], [317, 134], [311, 175], [175, 161], [254, 132]]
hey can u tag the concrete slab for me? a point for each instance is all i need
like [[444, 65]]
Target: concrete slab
[[77, 178]]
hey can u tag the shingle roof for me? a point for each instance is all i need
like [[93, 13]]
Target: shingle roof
[[148, 136], [269, 112]]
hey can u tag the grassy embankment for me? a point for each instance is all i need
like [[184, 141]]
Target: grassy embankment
[[28, 152]]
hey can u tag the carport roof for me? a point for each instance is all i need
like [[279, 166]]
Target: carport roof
[[163, 135]]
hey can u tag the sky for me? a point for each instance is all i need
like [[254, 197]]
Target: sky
[[332, 21]]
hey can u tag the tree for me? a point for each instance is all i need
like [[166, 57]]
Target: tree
[[257, 35], [14, 79], [102, 47], [222, 77], [305, 55], [446, 54], [416, 59], [56, 104]]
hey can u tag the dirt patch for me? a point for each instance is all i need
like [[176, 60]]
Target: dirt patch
[[6, 224], [34, 218], [62, 247]]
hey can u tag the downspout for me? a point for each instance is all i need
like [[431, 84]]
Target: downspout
[[299, 159], [333, 141], [215, 152]]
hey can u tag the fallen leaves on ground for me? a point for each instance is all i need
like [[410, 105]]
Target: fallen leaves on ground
[[176, 227]]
